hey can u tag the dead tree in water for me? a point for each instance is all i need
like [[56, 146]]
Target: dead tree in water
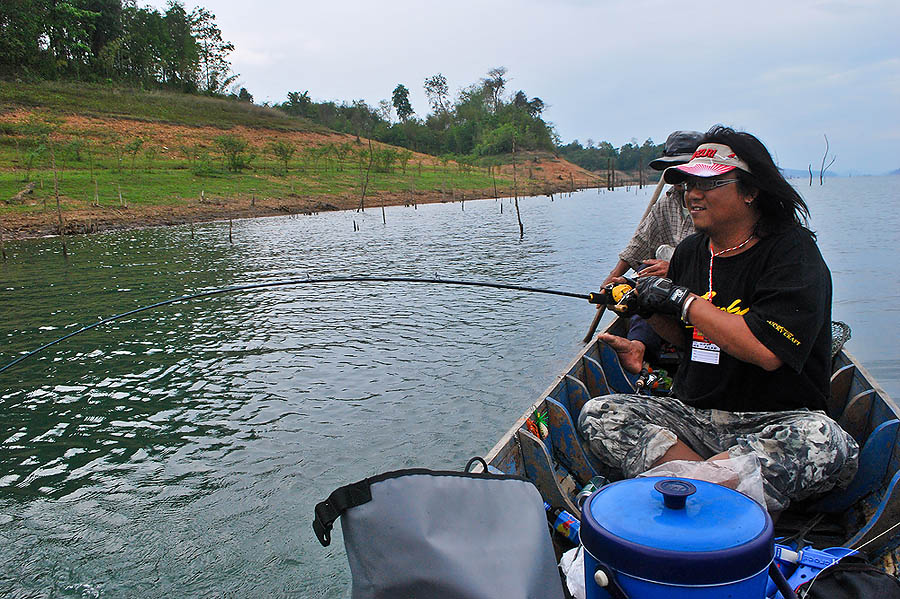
[[824, 167], [62, 230], [494, 181], [516, 190], [362, 197]]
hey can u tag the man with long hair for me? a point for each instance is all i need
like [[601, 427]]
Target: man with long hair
[[748, 302]]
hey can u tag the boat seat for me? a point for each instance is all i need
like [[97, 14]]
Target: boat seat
[[594, 377], [540, 470], [576, 395], [855, 417], [568, 445], [840, 390], [619, 380]]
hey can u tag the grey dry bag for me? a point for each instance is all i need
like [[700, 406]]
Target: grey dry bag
[[455, 535]]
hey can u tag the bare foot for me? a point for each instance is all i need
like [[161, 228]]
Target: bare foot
[[631, 353]]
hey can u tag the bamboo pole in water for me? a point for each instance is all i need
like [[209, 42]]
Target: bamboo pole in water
[[362, 198], [62, 230], [516, 191]]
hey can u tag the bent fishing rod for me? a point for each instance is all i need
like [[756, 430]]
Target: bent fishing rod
[[594, 298]]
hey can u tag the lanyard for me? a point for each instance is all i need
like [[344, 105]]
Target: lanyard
[[713, 254]]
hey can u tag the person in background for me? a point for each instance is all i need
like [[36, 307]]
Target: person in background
[[650, 249], [748, 300]]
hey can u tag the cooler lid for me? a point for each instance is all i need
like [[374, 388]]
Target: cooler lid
[[677, 530]]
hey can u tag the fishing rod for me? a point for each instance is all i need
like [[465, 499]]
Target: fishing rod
[[594, 298]]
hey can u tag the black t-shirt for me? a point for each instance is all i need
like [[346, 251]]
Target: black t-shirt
[[782, 288]]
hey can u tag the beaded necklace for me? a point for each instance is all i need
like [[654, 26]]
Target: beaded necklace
[[713, 254]]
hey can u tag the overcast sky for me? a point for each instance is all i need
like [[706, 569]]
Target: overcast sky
[[787, 71]]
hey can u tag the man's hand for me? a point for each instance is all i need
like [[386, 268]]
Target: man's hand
[[656, 295], [618, 295], [656, 267]]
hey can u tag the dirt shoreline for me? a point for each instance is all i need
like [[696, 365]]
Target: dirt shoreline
[[79, 221]]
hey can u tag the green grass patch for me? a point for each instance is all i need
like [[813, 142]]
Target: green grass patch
[[60, 97], [175, 181]]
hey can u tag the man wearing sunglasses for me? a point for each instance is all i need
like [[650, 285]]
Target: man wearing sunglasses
[[748, 302]]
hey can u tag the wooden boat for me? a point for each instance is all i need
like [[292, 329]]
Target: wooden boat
[[865, 515]]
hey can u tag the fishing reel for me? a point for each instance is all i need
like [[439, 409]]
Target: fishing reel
[[620, 297]]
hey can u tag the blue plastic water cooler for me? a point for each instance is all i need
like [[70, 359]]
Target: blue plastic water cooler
[[672, 538]]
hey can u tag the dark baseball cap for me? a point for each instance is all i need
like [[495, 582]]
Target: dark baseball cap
[[679, 148]]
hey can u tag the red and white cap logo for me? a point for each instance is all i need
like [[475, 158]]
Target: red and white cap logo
[[709, 160]]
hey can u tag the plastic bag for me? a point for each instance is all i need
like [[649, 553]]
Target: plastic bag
[[741, 474], [572, 565]]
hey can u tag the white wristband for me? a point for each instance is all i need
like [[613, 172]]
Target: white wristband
[[686, 307]]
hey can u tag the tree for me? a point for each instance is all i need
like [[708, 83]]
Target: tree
[[283, 150], [133, 147], [107, 24], [400, 98], [298, 104], [67, 30], [520, 100], [234, 149], [245, 96], [214, 51], [536, 107], [494, 84], [383, 110], [181, 53], [438, 93], [138, 55], [824, 166], [21, 32]]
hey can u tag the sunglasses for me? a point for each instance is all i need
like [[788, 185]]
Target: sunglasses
[[705, 184]]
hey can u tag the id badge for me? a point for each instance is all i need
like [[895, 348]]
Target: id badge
[[703, 350]]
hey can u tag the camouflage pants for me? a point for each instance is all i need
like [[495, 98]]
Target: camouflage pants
[[801, 453]]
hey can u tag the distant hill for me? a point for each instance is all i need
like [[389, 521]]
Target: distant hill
[[127, 158]]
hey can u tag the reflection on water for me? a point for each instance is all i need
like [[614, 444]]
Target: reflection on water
[[181, 451]]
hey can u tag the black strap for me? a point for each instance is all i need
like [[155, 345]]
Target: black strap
[[340, 500], [474, 460], [358, 493], [780, 583]]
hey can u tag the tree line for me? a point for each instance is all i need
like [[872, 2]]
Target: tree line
[[597, 157], [115, 41], [482, 120]]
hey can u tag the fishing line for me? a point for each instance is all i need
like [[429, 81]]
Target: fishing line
[[254, 286]]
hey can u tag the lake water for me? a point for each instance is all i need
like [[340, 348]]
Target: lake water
[[180, 452]]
